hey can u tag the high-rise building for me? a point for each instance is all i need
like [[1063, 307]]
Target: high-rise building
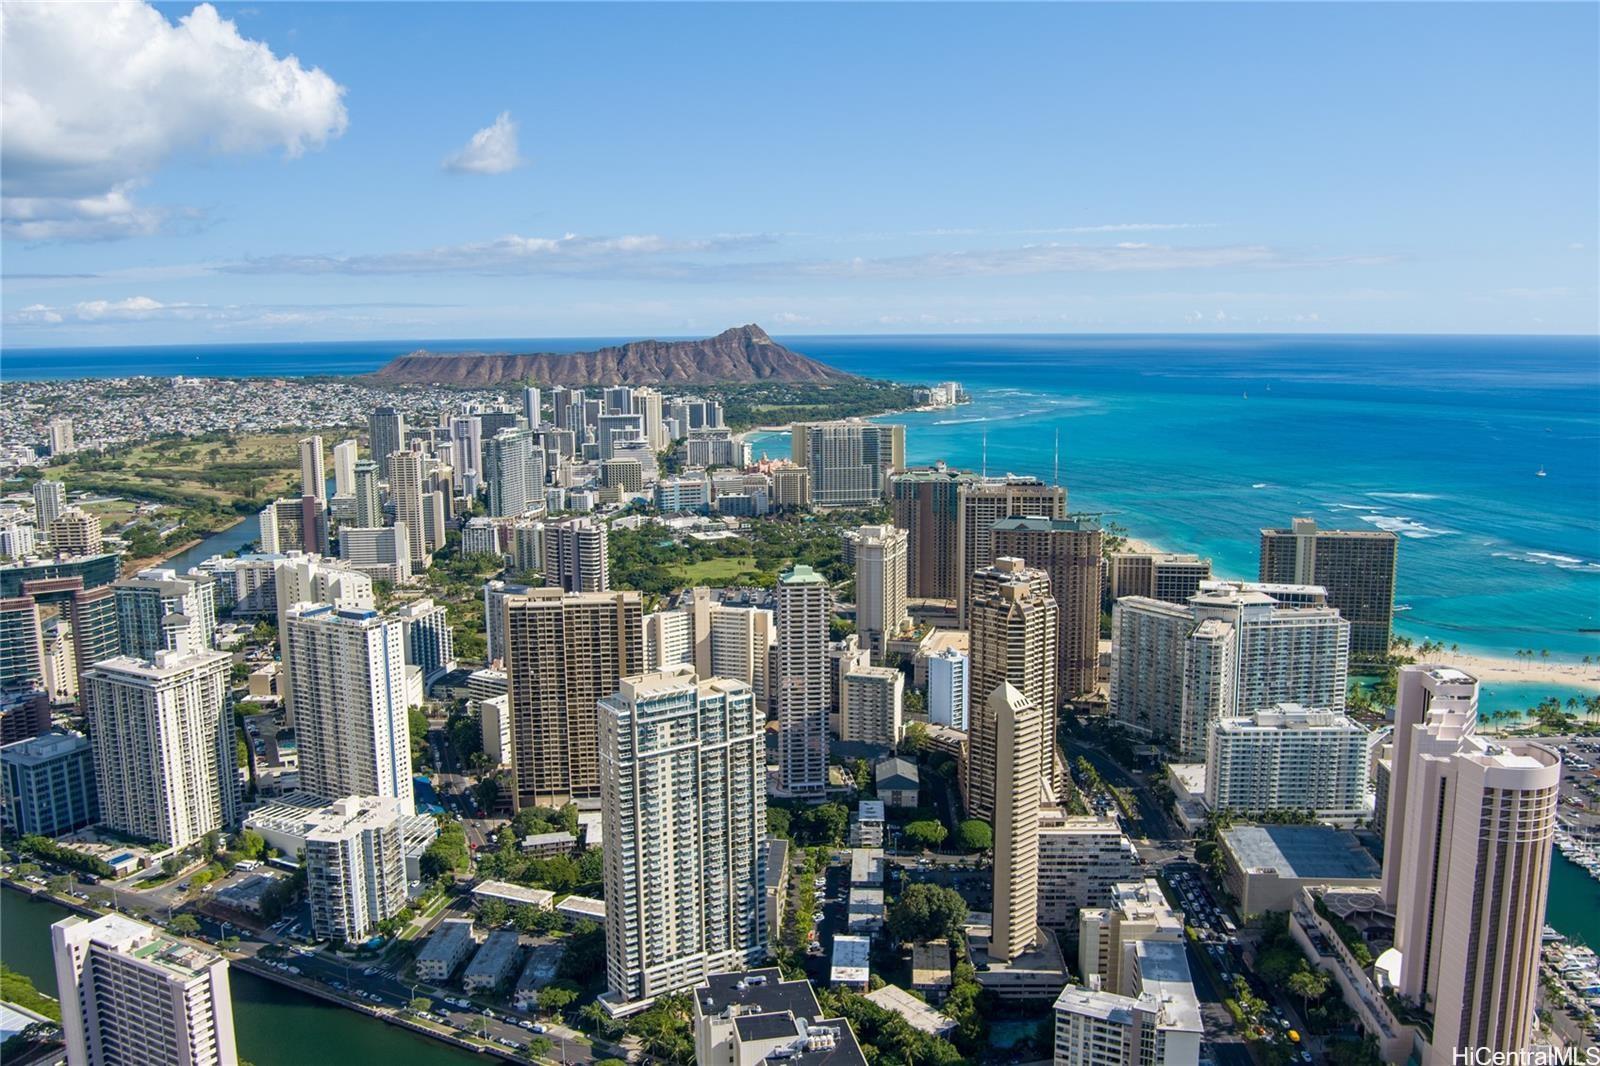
[[1153, 1019], [313, 470], [925, 502], [426, 636], [466, 432], [791, 487], [1288, 758], [495, 593], [564, 652], [132, 994], [21, 644], [949, 672], [294, 525], [345, 455], [1236, 649], [513, 472], [408, 475], [575, 555], [49, 500], [58, 433], [381, 552], [350, 702], [800, 687], [668, 640], [308, 579], [75, 589], [1080, 858], [1133, 910], [870, 706], [850, 460], [355, 867], [1013, 640], [1068, 549], [159, 611], [1019, 725], [733, 641], [369, 502], [683, 802], [1357, 567], [1471, 826], [49, 784], [75, 532], [880, 586], [164, 745], [532, 401], [1157, 575], [980, 503], [386, 429]]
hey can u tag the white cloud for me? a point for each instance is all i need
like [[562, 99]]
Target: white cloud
[[149, 309], [492, 150], [98, 96]]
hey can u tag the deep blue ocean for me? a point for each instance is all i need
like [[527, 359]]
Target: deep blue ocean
[[1197, 442]]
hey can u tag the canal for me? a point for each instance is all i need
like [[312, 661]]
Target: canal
[[274, 1025], [234, 538]]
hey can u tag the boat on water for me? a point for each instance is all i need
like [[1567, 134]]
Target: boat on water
[[1537, 473]]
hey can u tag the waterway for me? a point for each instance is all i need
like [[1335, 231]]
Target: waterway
[[273, 1025]]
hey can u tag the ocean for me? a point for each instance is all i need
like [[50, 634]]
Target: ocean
[[1196, 442]]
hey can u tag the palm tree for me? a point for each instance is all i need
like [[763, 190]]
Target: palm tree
[[1308, 984]]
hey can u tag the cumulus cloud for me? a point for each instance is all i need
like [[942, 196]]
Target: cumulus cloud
[[148, 309], [98, 96], [492, 150]]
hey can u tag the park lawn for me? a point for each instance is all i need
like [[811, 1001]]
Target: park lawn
[[112, 512], [723, 570]]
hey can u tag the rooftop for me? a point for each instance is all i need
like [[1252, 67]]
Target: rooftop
[[515, 894], [916, 1012], [1164, 973], [756, 992], [1301, 852], [897, 773], [851, 960]]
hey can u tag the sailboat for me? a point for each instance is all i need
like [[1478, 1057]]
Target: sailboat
[[1540, 472]]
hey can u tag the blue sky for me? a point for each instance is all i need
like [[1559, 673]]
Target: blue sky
[[172, 176]]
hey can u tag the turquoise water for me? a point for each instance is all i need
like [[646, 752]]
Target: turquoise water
[[1197, 442]]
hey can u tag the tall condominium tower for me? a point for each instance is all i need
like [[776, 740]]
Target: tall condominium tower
[[983, 502], [386, 429], [1068, 549], [1236, 649], [871, 703], [683, 801], [532, 401], [880, 586], [49, 500], [355, 867], [313, 470], [1019, 726], [575, 556], [350, 705], [949, 674], [1435, 710], [308, 579], [564, 653], [732, 641], [1357, 567], [1478, 818], [513, 472], [850, 460], [132, 994], [801, 684], [1157, 575], [159, 611], [1288, 758], [58, 432], [1013, 640], [164, 745], [466, 431], [925, 502], [369, 502], [408, 476], [345, 454]]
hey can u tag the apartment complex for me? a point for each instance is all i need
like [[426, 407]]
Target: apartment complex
[[800, 687], [159, 611], [870, 706], [1357, 567], [683, 785], [355, 867], [881, 556], [131, 994], [1067, 549], [564, 653], [1235, 649], [350, 702], [49, 784], [949, 672], [849, 461], [980, 503], [1471, 822], [164, 745], [575, 556], [1152, 1020], [1157, 575], [925, 502], [1134, 910], [1019, 724], [1288, 758], [1013, 641], [1081, 858]]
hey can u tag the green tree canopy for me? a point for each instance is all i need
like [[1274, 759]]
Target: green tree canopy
[[924, 834], [926, 912], [974, 834]]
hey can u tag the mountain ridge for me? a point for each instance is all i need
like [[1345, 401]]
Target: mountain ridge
[[740, 355]]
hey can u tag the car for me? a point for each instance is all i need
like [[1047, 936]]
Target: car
[[526, 1025], [537, 1028]]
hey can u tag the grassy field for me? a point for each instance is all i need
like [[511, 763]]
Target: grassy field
[[257, 466], [721, 571]]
